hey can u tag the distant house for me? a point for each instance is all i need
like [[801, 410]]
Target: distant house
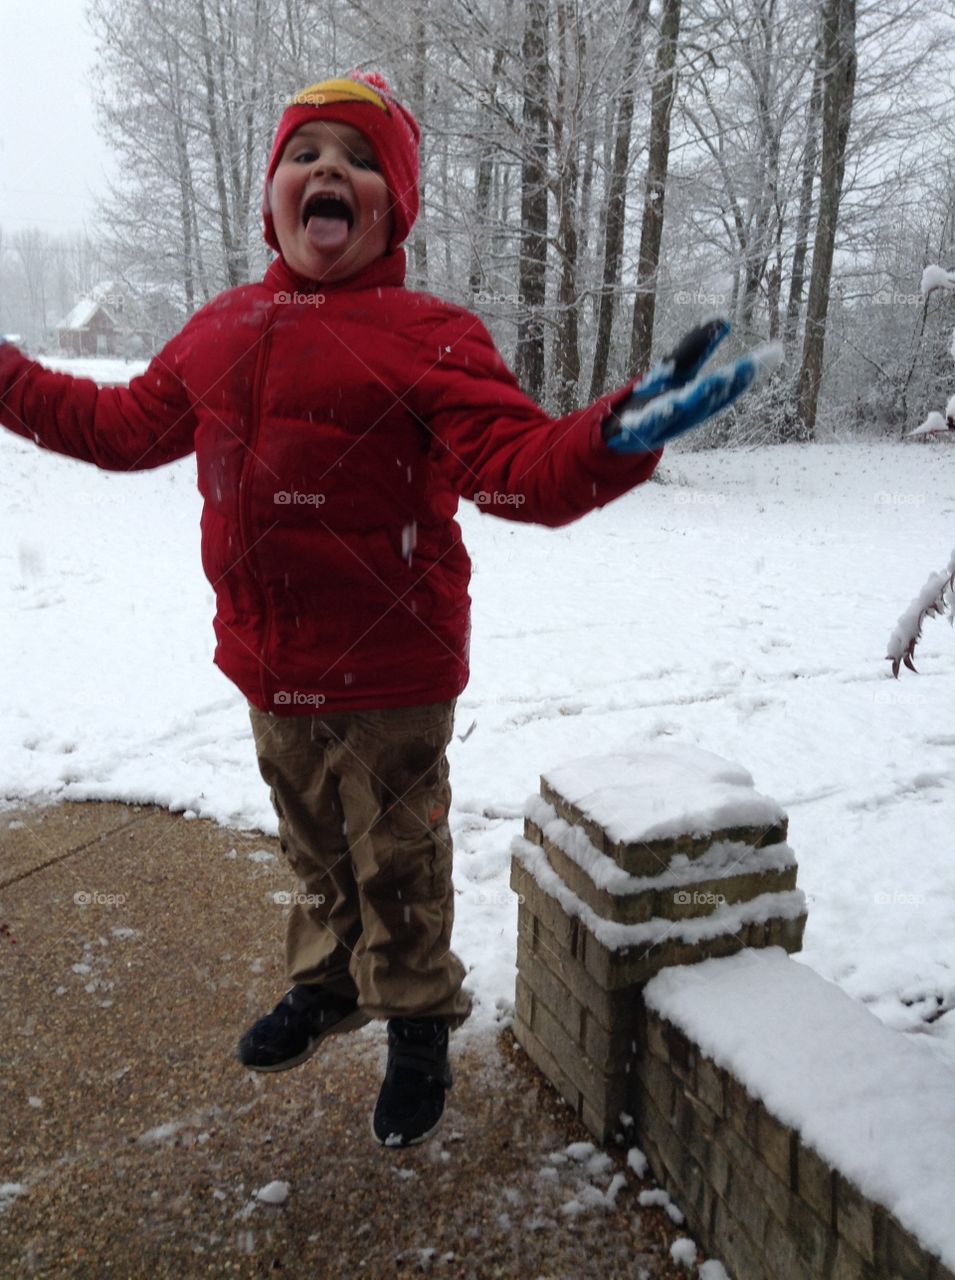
[[125, 320], [91, 329]]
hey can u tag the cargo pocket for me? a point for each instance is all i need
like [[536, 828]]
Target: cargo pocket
[[411, 831]]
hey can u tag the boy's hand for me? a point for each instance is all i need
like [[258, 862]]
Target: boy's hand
[[665, 403]]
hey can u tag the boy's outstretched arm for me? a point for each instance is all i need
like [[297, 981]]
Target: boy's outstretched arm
[[132, 428], [504, 453]]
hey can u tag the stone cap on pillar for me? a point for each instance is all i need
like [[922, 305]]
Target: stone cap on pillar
[[642, 806], [632, 862]]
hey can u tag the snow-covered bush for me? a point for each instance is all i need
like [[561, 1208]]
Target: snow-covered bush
[[765, 415]]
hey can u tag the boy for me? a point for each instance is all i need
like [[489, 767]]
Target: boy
[[336, 419]]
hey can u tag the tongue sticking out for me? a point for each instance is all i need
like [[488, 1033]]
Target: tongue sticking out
[[327, 234]]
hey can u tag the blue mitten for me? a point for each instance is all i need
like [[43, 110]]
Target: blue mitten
[[674, 397]]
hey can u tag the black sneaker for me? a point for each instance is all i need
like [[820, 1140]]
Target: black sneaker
[[411, 1102], [290, 1034]]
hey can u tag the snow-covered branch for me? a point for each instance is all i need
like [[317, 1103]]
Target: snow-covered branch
[[938, 594], [935, 598], [935, 277]]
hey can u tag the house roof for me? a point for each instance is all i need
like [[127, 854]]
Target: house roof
[[81, 315]]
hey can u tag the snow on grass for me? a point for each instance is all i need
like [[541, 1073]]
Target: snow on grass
[[749, 622]]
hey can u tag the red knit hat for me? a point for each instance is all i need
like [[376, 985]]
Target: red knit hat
[[365, 102]]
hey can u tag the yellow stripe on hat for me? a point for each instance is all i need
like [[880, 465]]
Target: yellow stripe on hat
[[317, 95]]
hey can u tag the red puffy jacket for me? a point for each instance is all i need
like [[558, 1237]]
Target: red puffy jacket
[[335, 429]]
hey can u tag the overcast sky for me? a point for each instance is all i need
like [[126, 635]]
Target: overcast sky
[[52, 161]]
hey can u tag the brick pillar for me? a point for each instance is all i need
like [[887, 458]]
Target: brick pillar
[[627, 865]]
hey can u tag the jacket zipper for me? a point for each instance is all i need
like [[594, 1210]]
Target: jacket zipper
[[245, 507]]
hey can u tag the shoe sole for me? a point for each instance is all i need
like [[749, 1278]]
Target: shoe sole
[[353, 1022], [412, 1142]]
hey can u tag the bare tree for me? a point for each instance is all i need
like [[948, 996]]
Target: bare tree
[[616, 194], [32, 250], [839, 75], [567, 111], [188, 85], [804, 216], [651, 234], [538, 204], [532, 271]]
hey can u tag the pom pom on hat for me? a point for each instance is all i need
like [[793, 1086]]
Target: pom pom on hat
[[374, 78], [365, 101]]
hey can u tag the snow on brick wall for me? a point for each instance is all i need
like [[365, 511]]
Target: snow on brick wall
[[786, 1114], [799, 1134]]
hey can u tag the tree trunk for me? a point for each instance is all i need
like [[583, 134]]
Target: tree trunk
[[651, 232], [617, 199], [186, 194], [774, 277], [233, 275], [483, 204], [839, 62], [804, 217], [566, 344], [532, 270]]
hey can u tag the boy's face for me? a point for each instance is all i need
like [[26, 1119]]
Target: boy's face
[[330, 203]]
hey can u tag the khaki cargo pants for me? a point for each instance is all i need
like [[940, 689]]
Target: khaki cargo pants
[[362, 799]]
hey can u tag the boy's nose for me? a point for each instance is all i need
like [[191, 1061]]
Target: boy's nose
[[329, 164]]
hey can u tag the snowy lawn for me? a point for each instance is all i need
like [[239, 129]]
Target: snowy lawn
[[743, 606]]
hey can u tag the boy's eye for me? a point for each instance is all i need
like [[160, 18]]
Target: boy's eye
[[308, 156]]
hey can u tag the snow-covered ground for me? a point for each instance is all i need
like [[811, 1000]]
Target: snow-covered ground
[[743, 606]]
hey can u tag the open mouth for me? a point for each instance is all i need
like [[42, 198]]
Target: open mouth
[[327, 207]]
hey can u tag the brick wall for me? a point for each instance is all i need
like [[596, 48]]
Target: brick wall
[[589, 939], [758, 1197]]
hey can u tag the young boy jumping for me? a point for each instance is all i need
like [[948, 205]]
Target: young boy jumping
[[337, 418]]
